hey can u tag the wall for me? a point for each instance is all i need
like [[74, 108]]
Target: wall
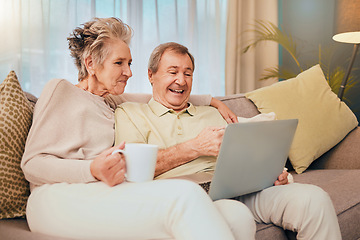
[[311, 23]]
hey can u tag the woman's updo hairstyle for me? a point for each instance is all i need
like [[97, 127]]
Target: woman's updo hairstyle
[[91, 40]]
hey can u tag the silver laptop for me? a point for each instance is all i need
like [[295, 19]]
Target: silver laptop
[[251, 157]]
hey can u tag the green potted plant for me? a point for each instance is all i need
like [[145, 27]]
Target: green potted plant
[[267, 31]]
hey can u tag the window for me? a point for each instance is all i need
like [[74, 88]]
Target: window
[[35, 33]]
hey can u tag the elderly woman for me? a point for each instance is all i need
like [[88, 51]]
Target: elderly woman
[[77, 185]]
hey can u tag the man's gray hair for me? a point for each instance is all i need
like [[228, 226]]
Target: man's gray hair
[[156, 55]]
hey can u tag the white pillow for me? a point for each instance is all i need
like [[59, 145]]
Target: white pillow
[[258, 118]]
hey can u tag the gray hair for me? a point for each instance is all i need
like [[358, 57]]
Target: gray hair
[[91, 39], [156, 55]]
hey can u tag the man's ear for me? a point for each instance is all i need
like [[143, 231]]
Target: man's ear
[[150, 76], [89, 64]]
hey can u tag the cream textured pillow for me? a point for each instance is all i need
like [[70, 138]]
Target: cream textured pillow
[[15, 121], [323, 119]]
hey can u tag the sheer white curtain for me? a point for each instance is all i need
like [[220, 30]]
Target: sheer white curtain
[[243, 71], [34, 32]]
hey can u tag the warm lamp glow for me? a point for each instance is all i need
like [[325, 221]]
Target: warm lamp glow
[[347, 21], [348, 37]]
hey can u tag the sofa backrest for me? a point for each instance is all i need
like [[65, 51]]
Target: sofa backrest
[[32, 99], [344, 155], [240, 105]]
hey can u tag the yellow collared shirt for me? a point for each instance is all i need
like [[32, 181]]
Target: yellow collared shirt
[[153, 123]]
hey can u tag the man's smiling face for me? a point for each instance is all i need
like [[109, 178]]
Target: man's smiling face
[[173, 81]]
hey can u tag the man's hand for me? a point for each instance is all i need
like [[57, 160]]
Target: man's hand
[[208, 142], [109, 168], [224, 110], [282, 179]]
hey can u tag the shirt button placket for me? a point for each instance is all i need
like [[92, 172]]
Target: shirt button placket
[[178, 126]]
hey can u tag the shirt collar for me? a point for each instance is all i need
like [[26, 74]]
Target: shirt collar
[[159, 109]]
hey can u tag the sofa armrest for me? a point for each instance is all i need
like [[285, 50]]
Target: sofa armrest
[[344, 155]]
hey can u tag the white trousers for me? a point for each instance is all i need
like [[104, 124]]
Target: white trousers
[[302, 208], [162, 209]]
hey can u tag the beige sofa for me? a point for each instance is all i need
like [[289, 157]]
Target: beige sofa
[[337, 172]]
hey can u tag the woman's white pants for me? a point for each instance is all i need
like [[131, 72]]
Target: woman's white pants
[[161, 209]]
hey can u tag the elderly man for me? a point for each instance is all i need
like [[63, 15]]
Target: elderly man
[[189, 140]]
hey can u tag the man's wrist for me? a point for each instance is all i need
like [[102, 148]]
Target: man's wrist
[[192, 148]]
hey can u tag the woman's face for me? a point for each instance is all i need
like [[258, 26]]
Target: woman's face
[[111, 77]]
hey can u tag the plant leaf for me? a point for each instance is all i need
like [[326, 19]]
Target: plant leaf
[[275, 72], [267, 31]]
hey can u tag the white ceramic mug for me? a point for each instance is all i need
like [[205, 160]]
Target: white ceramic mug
[[140, 161]]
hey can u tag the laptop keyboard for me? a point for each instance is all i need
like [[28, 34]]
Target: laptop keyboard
[[205, 186]]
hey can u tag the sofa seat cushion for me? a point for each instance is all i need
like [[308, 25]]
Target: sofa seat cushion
[[271, 232], [344, 190], [17, 228]]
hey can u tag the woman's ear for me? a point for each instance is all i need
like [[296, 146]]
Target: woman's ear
[[89, 64], [150, 76]]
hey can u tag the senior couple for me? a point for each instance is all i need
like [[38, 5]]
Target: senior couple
[[77, 185]]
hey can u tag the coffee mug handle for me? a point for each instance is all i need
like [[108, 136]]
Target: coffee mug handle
[[118, 151], [122, 152]]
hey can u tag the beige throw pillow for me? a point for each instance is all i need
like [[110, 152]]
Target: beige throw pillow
[[323, 119], [15, 121]]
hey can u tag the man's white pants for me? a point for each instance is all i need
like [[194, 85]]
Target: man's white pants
[[302, 208]]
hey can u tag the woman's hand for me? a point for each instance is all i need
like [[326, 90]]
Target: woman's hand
[[227, 114], [109, 168]]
